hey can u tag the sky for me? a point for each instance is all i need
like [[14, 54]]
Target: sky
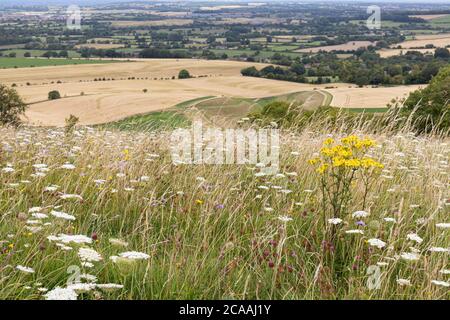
[[87, 2]]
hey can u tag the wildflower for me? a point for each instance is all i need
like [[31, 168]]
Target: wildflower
[[134, 255], [360, 214], [109, 286], [414, 237], [382, 264], [68, 166], [34, 210], [51, 188], [62, 215], [388, 219], [89, 255], [71, 196], [59, 293], [335, 221], [284, 219], [440, 283], [445, 271], [65, 238], [199, 202], [410, 256], [438, 249], [377, 243], [8, 170], [39, 215], [403, 282], [443, 225], [81, 287], [25, 269], [354, 231]]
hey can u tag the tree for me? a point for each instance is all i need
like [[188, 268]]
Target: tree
[[11, 106], [184, 74], [442, 53], [430, 107], [53, 95]]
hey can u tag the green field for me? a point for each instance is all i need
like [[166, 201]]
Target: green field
[[7, 63], [36, 53]]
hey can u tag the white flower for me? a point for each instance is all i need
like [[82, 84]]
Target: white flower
[[68, 166], [335, 221], [66, 238], [62, 215], [445, 271], [25, 269], [443, 225], [388, 219], [89, 255], [353, 231], [71, 196], [404, 282], [414, 237], [382, 264], [39, 215], [134, 255], [8, 170], [440, 283], [360, 214], [59, 293], [81, 287], [410, 256], [284, 218], [438, 249], [51, 188], [377, 243], [34, 209], [109, 286]]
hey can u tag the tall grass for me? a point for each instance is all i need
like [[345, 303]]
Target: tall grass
[[219, 232]]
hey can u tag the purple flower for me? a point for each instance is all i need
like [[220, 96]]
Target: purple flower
[[219, 206], [360, 223]]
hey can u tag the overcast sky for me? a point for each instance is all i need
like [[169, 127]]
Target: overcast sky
[[67, 2]]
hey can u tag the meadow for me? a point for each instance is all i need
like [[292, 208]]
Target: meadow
[[106, 214]]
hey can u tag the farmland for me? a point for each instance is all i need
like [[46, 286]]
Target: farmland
[[109, 92]]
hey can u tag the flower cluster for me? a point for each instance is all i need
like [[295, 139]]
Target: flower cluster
[[350, 153]]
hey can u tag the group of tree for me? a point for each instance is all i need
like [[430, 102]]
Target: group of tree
[[366, 67]]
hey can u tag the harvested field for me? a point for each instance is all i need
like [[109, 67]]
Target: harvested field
[[349, 46], [368, 97]]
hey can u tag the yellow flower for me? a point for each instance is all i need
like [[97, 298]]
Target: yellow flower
[[199, 201], [322, 168], [313, 161], [328, 141]]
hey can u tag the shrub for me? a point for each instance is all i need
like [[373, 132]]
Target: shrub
[[53, 95], [428, 108], [184, 74], [11, 106]]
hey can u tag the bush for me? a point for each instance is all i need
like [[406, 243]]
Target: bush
[[428, 108], [11, 106], [184, 74], [53, 95]]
